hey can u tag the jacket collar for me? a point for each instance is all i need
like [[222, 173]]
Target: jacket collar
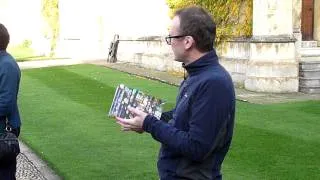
[[202, 63], [3, 52]]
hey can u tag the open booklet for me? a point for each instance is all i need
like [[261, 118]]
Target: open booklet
[[125, 97]]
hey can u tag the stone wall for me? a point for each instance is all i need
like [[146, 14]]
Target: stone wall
[[265, 65], [154, 53], [148, 52], [234, 56], [272, 66]]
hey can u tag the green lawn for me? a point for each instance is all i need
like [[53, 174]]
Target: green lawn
[[22, 53], [64, 111]]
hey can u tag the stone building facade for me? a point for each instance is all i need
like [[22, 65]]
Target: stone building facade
[[283, 54], [284, 44]]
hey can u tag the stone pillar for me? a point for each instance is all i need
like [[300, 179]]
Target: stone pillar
[[272, 65], [296, 13]]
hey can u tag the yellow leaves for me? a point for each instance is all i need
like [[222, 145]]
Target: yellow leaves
[[233, 17], [50, 11]]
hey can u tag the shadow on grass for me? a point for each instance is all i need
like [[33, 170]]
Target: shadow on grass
[[80, 89]]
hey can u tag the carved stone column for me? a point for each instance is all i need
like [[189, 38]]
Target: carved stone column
[[272, 65]]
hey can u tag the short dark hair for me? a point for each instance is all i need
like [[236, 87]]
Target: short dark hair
[[4, 37], [198, 23]]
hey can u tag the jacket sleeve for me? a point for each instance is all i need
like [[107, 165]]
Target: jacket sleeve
[[167, 116], [8, 85], [207, 126]]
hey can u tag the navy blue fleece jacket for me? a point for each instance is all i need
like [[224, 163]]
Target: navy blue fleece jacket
[[196, 139], [9, 86]]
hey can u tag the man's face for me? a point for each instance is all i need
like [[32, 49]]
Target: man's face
[[177, 44]]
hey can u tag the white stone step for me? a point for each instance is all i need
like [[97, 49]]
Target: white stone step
[[310, 59], [309, 70], [310, 52], [309, 90], [309, 82], [309, 65], [309, 44], [310, 73]]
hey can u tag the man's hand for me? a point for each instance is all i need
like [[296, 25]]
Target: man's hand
[[133, 124]]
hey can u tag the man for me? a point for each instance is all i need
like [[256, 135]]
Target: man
[[9, 86], [198, 135]]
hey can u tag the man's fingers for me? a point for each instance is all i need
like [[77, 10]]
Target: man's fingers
[[135, 111], [130, 124], [124, 121], [122, 124], [119, 119], [125, 126], [127, 123]]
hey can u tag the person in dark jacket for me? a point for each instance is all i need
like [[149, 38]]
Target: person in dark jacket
[[198, 134], [9, 86]]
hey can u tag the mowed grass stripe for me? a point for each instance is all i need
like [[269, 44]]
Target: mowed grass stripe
[[299, 120], [276, 141], [95, 85]]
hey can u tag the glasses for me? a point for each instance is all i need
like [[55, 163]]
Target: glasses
[[168, 38]]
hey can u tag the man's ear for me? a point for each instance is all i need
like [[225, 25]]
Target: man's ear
[[188, 42]]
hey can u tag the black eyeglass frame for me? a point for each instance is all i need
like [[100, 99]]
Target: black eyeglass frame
[[168, 38]]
